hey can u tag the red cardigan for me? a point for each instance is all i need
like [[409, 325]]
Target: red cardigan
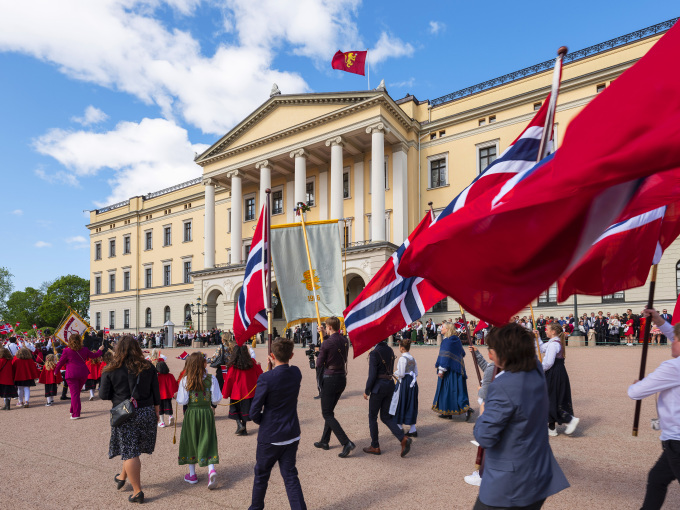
[[240, 384], [167, 385], [24, 369], [95, 369], [6, 373], [50, 376]]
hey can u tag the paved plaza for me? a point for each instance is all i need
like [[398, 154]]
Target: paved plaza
[[49, 461]]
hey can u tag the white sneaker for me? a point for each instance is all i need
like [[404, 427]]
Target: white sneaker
[[553, 432], [170, 420], [75, 417], [474, 479], [212, 480], [161, 425], [571, 426]]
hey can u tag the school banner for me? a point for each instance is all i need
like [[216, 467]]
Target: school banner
[[297, 287], [74, 323]]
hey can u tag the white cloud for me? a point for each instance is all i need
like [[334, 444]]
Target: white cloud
[[145, 156], [17, 212], [436, 27], [42, 244], [389, 47], [91, 116], [77, 242]]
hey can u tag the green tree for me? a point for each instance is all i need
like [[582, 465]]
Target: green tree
[[69, 290], [23, 306], [6, 287]]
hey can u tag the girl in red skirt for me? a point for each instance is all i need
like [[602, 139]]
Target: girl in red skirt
[[95, 366], [167, 384], [25, 374], [50, 378], [7, 389], [239, 386]]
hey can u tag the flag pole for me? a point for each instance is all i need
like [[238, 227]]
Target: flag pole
[[311, 271], [554, 92], [645, 346], [368, 70], [474, 358], [268, 287], [538, 345]]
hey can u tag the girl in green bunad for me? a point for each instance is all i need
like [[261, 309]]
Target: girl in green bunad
[[198, 440]]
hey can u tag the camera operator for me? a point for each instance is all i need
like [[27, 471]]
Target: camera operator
[[333, 355], [665, 381]]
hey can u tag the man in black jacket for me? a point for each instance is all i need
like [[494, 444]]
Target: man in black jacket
[[380, 387]]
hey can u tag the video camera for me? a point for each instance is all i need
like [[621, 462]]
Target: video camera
[[312, 354]]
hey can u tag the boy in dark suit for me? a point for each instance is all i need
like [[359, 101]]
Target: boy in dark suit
[[279, 435]]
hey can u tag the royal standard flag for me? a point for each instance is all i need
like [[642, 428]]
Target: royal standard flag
[[297, 286], [351, 61]]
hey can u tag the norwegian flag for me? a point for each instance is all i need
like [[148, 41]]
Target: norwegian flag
[[480, 326], [35, 326], [106, 331], [389, 302], [17, 325], [183, 356], [250, 316], [565, 202], [459, 324], [11, 329], [5, 329]]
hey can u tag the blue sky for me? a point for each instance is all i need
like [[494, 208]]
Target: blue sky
[[104, 100]]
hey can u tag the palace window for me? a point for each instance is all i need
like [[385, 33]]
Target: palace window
[[309, 190], [97, 284], [126, 245], [148, 318], [187, 231], [187, 314], [599, 88], [548, 297], [187, 272], [250, 208], [345, 184], [148, 239], [617, 297], [487, 155], [147, 277], [112, 283], [126, 319], [112, 248], [677, 278], [166, 275], [98, 321], [167, 236], [537, 106], [438, 172], [166, 314], [112, 319], [98, 251], [441, 306], [277, 201], [126, 280]]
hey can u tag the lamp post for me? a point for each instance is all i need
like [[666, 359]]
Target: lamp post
[[199, 309]]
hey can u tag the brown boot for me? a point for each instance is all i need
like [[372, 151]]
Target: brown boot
[[406, 445]]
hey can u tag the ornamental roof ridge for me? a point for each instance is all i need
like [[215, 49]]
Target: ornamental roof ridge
[[352, 97], [590, 51]]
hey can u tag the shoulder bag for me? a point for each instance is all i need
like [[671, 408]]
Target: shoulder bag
[[126, 409]]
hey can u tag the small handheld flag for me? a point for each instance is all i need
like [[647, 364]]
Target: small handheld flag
[[351, 62]]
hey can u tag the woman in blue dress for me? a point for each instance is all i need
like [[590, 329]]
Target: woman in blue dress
[[451, 397]]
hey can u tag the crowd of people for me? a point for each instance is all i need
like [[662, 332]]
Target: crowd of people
[[533, 391]]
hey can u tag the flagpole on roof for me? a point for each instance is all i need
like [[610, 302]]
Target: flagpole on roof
[[368, 71], [645, 345]]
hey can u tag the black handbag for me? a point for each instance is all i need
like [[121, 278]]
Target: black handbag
[[126, 409], [219, 360]]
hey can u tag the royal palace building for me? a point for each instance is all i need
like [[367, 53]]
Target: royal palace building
[[370, 160]]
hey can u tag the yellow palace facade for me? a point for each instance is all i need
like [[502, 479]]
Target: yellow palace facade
[[369, 160]]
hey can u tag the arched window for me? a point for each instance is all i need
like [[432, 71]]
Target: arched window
[[148, 318], [166, 314], [187, 314]]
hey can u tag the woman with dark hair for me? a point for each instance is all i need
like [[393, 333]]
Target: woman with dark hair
[[130, 375], [74, 357], [559, 388], [239, 386], [451, 397], [520, 470]]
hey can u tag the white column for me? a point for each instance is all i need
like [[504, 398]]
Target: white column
[[236, 216], [337, 201], [358, 195], [209, 235], [289, 203], [377, 181], [322, 193], [265, 180], [300, 156], [400, 193]]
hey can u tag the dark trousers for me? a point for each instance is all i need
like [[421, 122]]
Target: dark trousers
[[666, 469], [533, 506], [331, 390], [380, 403], [266, 456]]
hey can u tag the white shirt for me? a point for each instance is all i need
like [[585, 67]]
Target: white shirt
[[400, 372], [13, 348], [665, 380], [252, 352], [550, 350], [183, 394]]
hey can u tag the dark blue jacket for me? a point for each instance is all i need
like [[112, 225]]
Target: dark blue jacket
[[277, 392], [380, 365]]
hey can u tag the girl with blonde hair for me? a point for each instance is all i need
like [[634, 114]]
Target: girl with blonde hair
[[50, 377]]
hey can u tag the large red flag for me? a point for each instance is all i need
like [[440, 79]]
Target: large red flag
[[352, 62], [563, 204]]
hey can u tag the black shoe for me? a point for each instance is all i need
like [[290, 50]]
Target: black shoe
[[137, 498], [64, 398], [346, 449], [412, 434], [240, 429], [119, 483], [468, 414], [322, 445], [445, 416], [317, 397]]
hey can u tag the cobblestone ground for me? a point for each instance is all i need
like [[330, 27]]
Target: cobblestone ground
[[49, 461]]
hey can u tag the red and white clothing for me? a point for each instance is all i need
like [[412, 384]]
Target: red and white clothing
[[167, 385], [629, 328], [240, 384]]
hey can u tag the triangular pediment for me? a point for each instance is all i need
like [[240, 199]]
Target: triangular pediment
[[284, 112]]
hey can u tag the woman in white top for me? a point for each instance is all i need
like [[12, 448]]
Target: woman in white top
[[407, 373], [557, 379], [614, 324]]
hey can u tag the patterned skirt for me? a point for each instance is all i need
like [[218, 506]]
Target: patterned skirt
[[240, 410], [451, 396], [135, 436]]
